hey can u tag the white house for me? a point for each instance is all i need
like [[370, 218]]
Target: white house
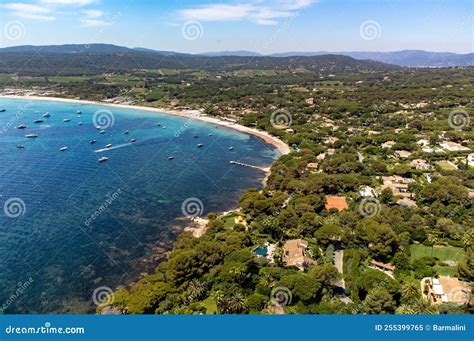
[[453, 146]]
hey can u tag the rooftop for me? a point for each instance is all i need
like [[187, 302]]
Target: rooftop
[[339, 203]]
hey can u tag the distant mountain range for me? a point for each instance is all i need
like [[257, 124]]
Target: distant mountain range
[[337, 61], [415, 58], [103, 58]]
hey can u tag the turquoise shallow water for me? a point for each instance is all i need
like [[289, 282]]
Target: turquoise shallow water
[[69, 224]]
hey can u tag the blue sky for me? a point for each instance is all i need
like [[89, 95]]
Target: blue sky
[[265, 26]]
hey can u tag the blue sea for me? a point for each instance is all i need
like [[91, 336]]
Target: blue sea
[[70, 224]]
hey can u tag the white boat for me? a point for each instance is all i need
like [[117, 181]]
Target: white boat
[[67, 120], [20, 146], [133, 140], [102, 132], [103, 159], [21, 126], [126, 132], [46, 114], [92, 141], [78, 112], [62, 149], [31, 136], [200, 145], [79, 124], [171, 158], [231, 148], [109, 145]]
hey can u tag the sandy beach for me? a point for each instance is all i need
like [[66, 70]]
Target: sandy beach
[[281, 146]]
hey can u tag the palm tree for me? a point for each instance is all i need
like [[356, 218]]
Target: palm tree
[[405, 309], [197, 289], [410, 291], [433, 240], [230, 303], [423, 307], [468, 239], [237, 303]]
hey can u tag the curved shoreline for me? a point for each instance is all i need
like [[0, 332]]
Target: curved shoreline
[[281, 146]]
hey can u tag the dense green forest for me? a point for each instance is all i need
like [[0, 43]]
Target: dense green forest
[[380, 181]]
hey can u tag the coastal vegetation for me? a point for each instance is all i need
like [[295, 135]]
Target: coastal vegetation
[[366, 194]]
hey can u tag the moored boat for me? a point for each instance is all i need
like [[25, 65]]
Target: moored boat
[[31, 136], [38, 121], [62, 149], [67, 120], [21, 126], [103, 159]]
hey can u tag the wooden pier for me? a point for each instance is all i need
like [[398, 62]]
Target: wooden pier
[[263, 169]]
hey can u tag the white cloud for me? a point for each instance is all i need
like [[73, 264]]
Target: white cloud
[[27, 8], [263, 13], [92, 13], [295, 4], [68, 2], [93, 18], [29, 11], [47, 9]]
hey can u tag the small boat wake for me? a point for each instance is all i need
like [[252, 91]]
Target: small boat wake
[[133, 141], [114, 147]]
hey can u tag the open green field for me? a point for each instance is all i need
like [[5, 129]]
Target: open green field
[[445, 166], [442, 253], [255, 73], [210, 305]]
